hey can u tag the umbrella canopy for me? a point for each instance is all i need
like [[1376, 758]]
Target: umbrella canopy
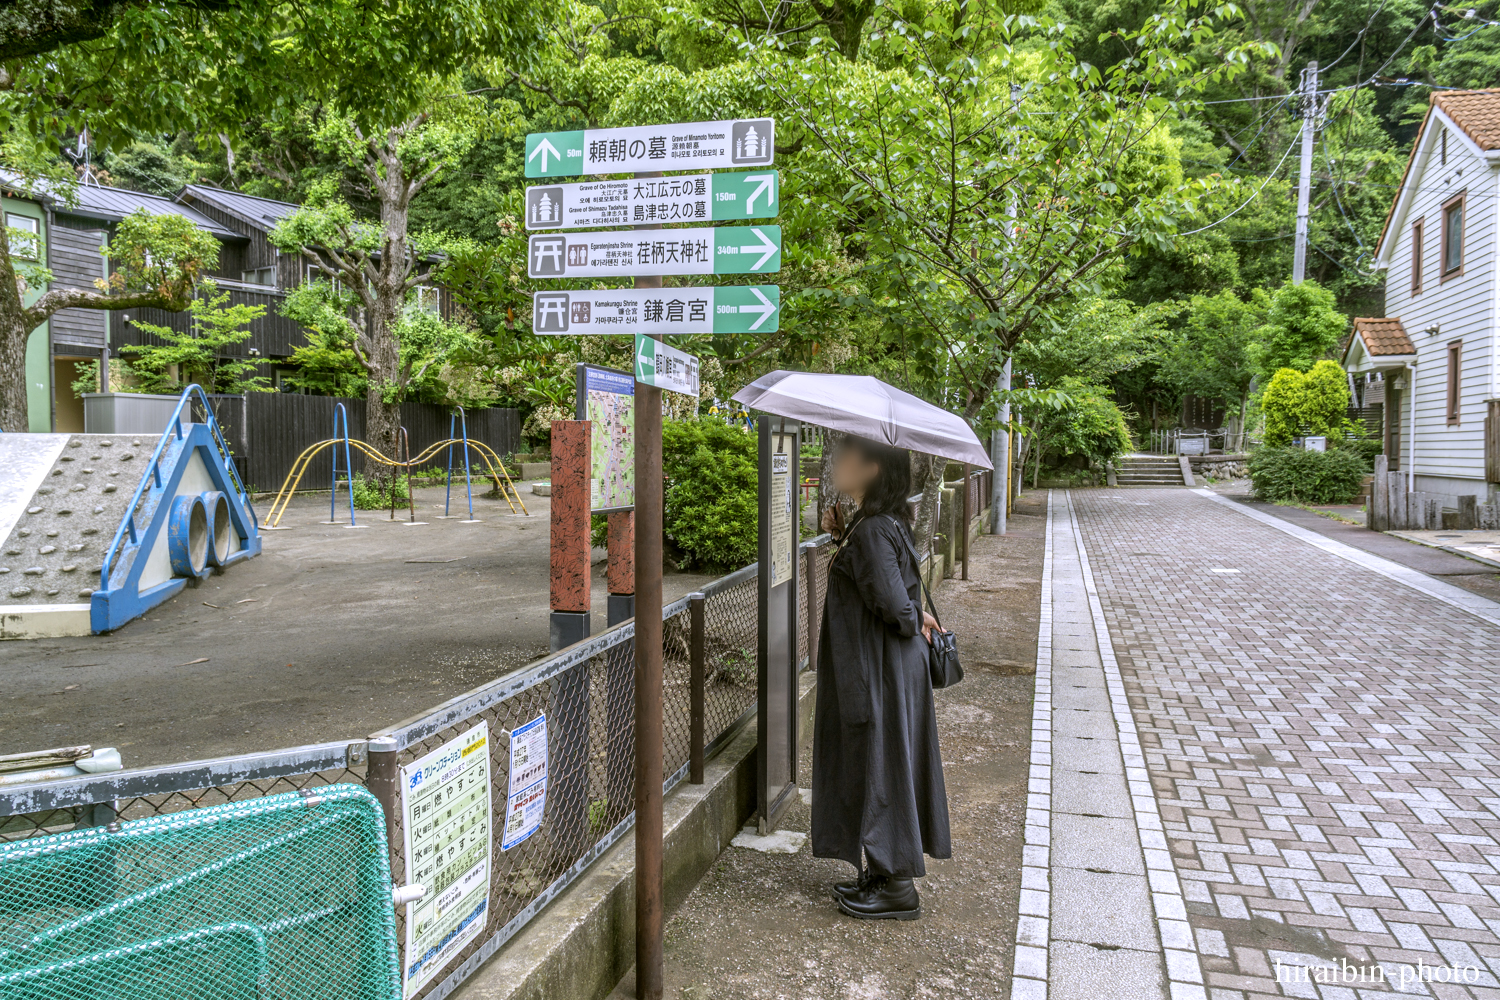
[[865, 406]]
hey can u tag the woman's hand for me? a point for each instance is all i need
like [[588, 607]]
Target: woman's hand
[[830, 522], [928, 624]]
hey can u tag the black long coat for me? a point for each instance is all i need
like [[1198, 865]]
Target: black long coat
[[877, 774]]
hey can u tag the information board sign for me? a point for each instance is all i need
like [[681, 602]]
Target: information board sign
[[776, 622], [727, 309], [693, 198], [748, 142], [702, 250], [526, 799], [607, 397], [445, 803]]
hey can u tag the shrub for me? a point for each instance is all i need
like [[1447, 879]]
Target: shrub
[[1313, 403], [370, 495], [711, 493], [1291, 474]]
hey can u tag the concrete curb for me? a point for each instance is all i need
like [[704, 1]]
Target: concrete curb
[[1465, 553], [582, 944]]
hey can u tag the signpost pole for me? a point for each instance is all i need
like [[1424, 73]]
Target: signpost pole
[[648, 681]]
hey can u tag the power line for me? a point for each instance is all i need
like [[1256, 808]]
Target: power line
[[1248, 200]]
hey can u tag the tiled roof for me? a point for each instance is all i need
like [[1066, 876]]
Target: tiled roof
[[262, 213], [1383, 336], [1477, 112]]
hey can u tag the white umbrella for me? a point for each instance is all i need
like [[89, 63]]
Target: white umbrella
[[867, 407]]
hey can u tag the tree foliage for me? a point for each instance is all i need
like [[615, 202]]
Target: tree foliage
[[1297, 404]]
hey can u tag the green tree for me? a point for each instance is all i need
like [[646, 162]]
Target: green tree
[[197, 354], [382, 264], [1209, 354], [1085, 421], [1297, 404], [156, 260], [1302, 325]]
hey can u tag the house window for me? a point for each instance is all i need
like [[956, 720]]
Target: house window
[[314, 273], [1416, 257], [260, 276], [1455, 381], [428, 298], [1453, 236], [26, 243]]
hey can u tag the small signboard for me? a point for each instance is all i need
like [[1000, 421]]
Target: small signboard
[[776, 622], [607, 398], [665, 367], [749, 142], [526, 800], [445, 806], [727, 309], [693, 198], [704, 250]]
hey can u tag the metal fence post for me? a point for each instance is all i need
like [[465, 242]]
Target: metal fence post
[[697, 681], [383, 779], [810, 585]]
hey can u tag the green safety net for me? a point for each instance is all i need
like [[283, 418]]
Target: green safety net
[[285, 897]]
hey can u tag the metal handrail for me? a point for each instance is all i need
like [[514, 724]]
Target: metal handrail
[[333, 495], [153, 471], [468, 476]]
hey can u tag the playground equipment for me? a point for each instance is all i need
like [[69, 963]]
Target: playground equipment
[[333, 493], [491, 460], [188, 516], [283, 896]]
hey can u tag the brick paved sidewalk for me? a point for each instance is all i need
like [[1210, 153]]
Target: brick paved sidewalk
[[1322, 743]]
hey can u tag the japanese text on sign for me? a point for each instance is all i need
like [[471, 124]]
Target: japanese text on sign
[[445, 801], [526, 800]]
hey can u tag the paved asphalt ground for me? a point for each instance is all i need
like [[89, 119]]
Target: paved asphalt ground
[[332, 633]]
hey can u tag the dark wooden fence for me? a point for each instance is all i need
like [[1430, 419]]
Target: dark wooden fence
[[273, 335], [268, 430]]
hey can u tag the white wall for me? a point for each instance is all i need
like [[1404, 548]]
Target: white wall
[[1464, 306]]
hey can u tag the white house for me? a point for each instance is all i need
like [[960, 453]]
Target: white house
[[1433, 361]]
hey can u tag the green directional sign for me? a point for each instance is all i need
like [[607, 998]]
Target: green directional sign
[[727, 145], [707, 250], [728, 197], [726, 309], [665, 366]]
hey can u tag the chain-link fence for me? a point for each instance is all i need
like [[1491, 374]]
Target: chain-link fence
[[587, 695]]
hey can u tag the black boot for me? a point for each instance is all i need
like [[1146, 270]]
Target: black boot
[[884, 898], [845, 889]]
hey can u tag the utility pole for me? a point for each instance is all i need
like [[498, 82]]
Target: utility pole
[[1304, 176]]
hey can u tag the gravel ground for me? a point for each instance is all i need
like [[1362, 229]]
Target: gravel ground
[[766, 926], [331, 633]]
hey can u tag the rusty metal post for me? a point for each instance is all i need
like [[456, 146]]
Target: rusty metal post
[[968, 516], [383, 779], [649, 497], [571, 593], [697, 681]]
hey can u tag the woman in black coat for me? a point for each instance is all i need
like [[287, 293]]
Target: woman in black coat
[[878, 798]]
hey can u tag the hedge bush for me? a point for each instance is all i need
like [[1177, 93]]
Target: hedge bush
[[1291, 474], [711, 493]]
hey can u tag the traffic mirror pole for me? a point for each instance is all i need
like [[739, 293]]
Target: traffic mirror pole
[[649, 907]]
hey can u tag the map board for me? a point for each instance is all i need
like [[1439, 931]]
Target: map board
[[445, 805], [607, 397], [526, 798]]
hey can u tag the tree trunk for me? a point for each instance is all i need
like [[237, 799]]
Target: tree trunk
[[14, 331], [387, 377]]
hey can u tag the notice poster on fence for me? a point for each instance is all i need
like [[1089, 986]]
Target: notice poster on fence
[[445, 805], [527, 798]]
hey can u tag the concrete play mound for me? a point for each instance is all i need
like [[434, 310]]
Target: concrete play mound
[[144, 516]]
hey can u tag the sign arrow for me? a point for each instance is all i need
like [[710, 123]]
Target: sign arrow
[[764, 245], [544, 147], [766, 308], [645, 364], [764, 183]]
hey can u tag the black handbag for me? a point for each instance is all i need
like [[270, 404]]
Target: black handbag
[[942, 661]]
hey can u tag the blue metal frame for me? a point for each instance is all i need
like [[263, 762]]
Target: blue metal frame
[[119, 597], [468, 479], [338, 411]]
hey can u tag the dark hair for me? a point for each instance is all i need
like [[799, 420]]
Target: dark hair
[[889, 493]]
